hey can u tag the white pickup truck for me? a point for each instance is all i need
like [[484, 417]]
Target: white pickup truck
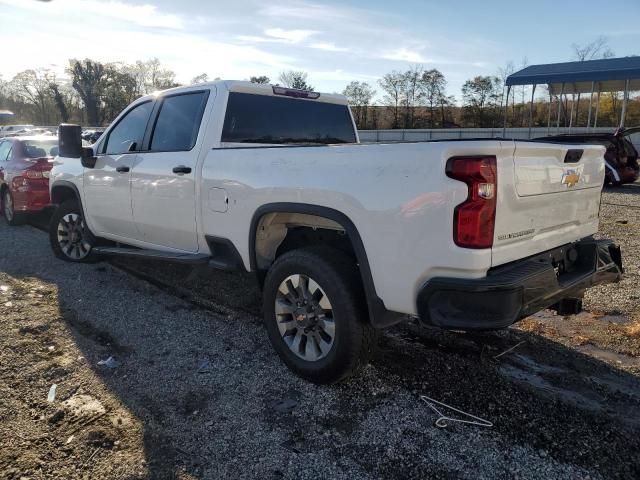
[[345, 238]]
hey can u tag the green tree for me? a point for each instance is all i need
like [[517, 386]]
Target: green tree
[[260, 79], [480, 100], [59, 101], [89, 79], [359, 96], [119, 91], [295, 79]]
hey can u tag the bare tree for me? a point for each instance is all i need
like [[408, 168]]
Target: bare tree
[[435, 85], [202, 78], [598, 48], [391, 84], [359, 95], [295, 79], [412, 93], [150, 76], [260, 79], [32, 86]]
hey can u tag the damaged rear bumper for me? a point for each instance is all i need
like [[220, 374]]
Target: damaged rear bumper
[[511, 292]]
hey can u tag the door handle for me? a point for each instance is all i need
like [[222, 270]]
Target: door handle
[[122, 169], [181, 169]]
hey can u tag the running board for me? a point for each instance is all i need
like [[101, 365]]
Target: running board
[[190, 258]]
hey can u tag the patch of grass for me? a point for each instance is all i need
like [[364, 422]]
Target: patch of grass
[[633, 330]]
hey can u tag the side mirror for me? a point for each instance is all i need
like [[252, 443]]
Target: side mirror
[[70, 140], [88, 159]]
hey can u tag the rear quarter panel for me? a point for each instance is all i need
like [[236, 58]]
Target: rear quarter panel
[[397, 196]]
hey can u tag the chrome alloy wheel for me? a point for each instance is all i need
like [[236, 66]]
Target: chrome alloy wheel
[[8, 206], [72, 237], [305, 317]]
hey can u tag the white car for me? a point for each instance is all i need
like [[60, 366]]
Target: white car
[[344, 238], [10, 130]]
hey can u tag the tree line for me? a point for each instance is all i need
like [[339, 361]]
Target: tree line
[[94, 93]]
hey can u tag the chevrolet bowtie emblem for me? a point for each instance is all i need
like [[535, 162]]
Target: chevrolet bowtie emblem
[[570, 178]]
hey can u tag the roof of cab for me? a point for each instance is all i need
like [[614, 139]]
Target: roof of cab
[[250, 88]]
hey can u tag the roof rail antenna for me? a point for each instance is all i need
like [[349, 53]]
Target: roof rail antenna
[[295, 93]]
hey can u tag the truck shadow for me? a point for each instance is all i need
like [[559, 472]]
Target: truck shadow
[[214, 400], [628, 189]]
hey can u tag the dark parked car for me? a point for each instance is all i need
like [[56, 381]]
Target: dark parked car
[[621, 157], [25, 163]]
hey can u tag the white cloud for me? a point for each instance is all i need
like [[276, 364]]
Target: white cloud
[[289, 36], [328, 47], [404, 54], [145, 15]]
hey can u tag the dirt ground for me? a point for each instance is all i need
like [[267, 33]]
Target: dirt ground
[[194, 390]]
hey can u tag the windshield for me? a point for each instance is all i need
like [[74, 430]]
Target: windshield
[[40, 148]]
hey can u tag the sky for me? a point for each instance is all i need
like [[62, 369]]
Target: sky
[[335, 42]]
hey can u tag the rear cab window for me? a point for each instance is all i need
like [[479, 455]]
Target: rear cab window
[[263, 119], [178, 122]]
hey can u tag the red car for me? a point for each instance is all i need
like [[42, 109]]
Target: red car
[[25, 163]]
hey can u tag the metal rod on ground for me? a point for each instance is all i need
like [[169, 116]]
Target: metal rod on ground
[[533, 91], [506, 110], [573, 102], [595, 119], [559, 107], [549, 112], [593, 84], [625, 99]]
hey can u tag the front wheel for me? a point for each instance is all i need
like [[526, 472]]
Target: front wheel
[[69, 236], [316, 315]]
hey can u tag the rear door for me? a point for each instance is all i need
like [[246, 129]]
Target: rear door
[[548, 195], [163, 182]]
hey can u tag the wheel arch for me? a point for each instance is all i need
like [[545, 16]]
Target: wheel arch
[[63, 190], [379, 316]]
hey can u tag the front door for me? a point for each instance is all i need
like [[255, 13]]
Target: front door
[[107, 187], [163, 185]]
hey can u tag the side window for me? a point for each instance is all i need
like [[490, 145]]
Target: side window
[[5, 150], [129, 129], [178, 122]]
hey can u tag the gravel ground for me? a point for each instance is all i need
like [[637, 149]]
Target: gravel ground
[[198, 392]]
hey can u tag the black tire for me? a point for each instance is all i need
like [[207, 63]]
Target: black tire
[[79, 247], [10, 215], [354, 338]]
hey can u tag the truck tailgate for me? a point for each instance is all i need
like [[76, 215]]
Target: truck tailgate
[[546, 198]]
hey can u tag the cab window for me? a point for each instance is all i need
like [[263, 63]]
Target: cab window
[[178, 122], [127, 135]]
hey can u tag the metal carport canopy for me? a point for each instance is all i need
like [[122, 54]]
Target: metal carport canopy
[[609, 75]]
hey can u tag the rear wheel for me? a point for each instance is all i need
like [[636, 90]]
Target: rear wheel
[[316, 315], [69, 236], [8, 210]]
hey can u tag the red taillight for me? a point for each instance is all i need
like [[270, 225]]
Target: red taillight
[[474, 219], [33, 173], [39, 169]]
